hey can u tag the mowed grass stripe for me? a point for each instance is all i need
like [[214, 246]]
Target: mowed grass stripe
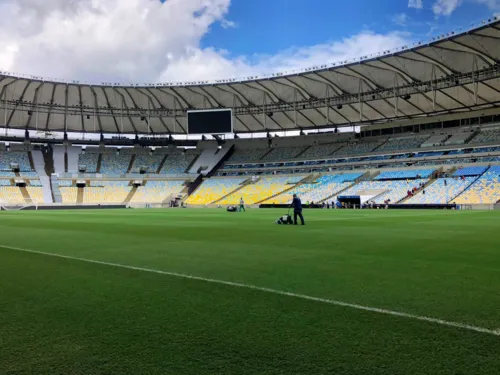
[[63, 316], [68, 317], [446, 267], [273, 291]]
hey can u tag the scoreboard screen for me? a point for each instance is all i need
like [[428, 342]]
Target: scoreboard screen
[[214, 121]]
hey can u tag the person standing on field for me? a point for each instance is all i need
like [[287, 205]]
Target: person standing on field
[[297, 209], [242, 205]]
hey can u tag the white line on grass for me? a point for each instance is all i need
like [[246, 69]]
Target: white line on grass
[[274, 291]]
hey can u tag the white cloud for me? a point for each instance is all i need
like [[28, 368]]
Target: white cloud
[[492, 4], [200, 64], [400, 19], [445, 7], [417, 4], [146, 41], [226, 24]]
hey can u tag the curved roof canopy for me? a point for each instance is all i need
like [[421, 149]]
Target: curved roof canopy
[[458, 72]]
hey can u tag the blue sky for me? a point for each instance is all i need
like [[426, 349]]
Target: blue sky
[[270, 26], [155, 41]]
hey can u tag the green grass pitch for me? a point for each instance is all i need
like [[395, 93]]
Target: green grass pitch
[[70, 317]]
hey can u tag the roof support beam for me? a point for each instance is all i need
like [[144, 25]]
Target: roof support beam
[[96, 110], [175, 103], [4, 95], [147, 114], [80, 101], [488, 59], [66, 89], [18, 102], [127, 110], [152, 102], [51, 106], [409, 79], [372, 86], [236, 97], [211, 97], [111, 109], [448, 71], [271, 94], [336, 90], [206, 98], [34, 107], [179, 97]]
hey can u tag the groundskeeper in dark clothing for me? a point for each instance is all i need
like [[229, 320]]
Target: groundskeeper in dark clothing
[[297, 210]]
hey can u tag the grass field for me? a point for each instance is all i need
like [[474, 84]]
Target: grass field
[[70, 316]]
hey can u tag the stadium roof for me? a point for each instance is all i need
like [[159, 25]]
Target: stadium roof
[[458, 72]]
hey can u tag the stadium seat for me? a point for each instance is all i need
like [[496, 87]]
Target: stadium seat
[[241, 155], [150, 162], [176, 164], [283, 153], [487, 136], [11, 195], [214, 189], [106, 192], [486, 190], [357, 148], [393, 190], [14, 157], [403, 143], [89, 160], [404, 174], [115, 164], [266, 187], [320, 151], [157, 191], [470, 171], [441, 192], [323, 188]]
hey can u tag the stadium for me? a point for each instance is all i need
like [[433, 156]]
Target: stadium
[[119, 256]]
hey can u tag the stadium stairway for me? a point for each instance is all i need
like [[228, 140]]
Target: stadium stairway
[[365, 177], [223, 156], [30, 158], [380, 145], [44, 168], [59, 153], [99, 161], [25, 194], [38, 162], [248, 181], [472, 183], [430, 182], [131, 164], [337, 193], [73, 153], [193, 162], [79, 196], [306, 180], [303, 151], [193, 186], [267, 153], [162, 164], [56, 193], [130, 194], [47, 189]]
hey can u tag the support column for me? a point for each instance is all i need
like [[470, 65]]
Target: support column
[[433, 84]]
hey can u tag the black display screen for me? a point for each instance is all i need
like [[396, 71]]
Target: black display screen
[[210, 122]]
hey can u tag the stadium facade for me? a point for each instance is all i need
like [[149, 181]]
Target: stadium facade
[[428, 114]]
